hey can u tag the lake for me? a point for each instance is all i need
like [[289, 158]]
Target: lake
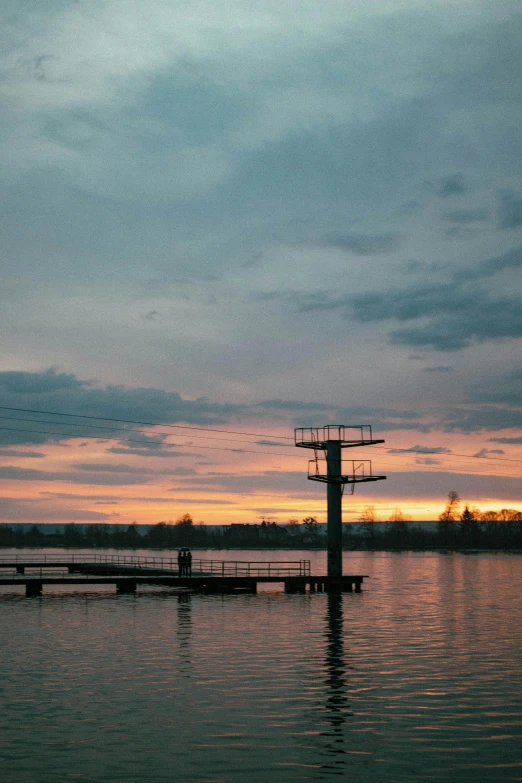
[[417, 678]]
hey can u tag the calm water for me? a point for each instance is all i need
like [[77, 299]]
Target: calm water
[[417, 678]]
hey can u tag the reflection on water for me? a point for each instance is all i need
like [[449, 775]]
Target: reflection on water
[[184, 631], [419, 678], [336, 704]]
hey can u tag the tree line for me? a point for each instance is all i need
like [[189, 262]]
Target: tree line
[[466, 528], [456, 528], [167, 535]]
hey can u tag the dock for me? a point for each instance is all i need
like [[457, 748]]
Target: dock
[[127, 572]]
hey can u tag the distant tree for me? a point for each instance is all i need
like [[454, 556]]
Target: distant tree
[[488, 524], [132, 537], [185, 521], [452, 507], [311, 530], [508, 526], [33, 536], [294, 530], [489, 516], [368, 515], [184, 532], [73, 535], [158, 536], [397, 532], [398, 516], [446, 525], [467, 528], [508, 514], [367, 520]]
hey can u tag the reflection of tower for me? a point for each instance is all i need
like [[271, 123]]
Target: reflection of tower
[[329, 467], [336, 736], [336, 704]]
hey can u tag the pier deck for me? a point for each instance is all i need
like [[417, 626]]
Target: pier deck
[[127, 572]]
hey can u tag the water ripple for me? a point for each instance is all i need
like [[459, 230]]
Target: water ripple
[[417, 678]]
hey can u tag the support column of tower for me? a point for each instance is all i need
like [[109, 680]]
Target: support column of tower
[[328, 443], [334, 529]]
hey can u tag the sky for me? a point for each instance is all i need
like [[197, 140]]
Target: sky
[[249, 217]]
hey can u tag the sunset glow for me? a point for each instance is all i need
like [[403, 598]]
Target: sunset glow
[[251, 218], [84, 480]]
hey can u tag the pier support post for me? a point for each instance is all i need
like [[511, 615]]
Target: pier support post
[[125, 586], [33, 588], [334, 532], [20, 569], [294, 586]]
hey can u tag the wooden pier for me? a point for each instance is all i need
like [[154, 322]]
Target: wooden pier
[[127, 572]]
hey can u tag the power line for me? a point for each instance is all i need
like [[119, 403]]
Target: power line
[[209, 429], [116, 429], [146, 423], [448, 456], [420, 468], [146, 442]]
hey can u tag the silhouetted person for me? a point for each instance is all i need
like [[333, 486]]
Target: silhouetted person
[[189, 563], [181, 562]]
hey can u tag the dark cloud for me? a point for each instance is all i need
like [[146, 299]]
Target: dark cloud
[[507, 441], [486, 452], [73, 496], [453, 185], [432, 484], [294, 405], [21, 454], [485, 417], [341, 412], [456, 316], [148, 451], [504, 389], [29, 510], [423, 449], [510, 260], [66, 393], [510, 210], [33, 383], [27, 474], [203, 501], [250, 483], [364, 244], [409, 207], [453, 314], [427, 461], [272, 443], [464, 216], [181, 471], [466, 418], [107, 467]]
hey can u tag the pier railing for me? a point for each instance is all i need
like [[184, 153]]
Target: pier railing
[[200, 566]]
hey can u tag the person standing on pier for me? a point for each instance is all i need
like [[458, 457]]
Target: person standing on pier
[[189, 563], [181, 562]]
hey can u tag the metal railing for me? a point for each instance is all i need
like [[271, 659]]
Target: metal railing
[[200, 567]]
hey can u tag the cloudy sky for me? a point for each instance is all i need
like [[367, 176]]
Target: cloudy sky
[[248, 217]]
